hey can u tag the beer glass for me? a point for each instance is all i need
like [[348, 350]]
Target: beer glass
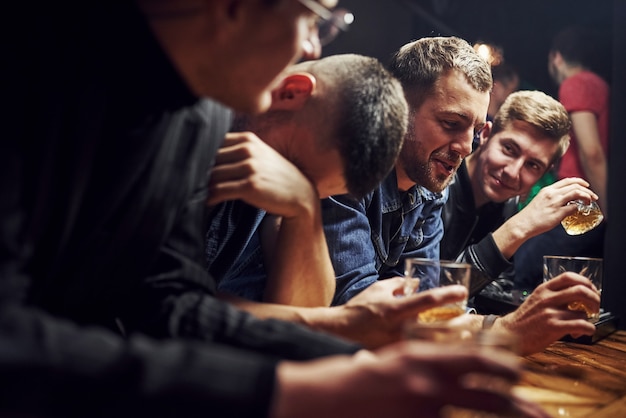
[[437, 273], [584, 220], [591, 268]]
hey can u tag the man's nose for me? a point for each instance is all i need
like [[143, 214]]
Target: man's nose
[[463, 144], [513, 169]]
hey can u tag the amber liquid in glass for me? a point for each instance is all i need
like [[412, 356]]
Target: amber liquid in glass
[[585, 219], [440, 313]]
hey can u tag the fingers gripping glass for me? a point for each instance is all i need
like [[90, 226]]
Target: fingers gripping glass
[[330, 22], [584, 220], [591, 268]]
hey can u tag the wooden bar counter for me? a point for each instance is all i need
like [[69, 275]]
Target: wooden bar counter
[[577, 380]]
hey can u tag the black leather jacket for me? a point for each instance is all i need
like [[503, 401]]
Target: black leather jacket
[[468, 231]]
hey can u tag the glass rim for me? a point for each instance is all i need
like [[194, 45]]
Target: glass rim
[[442, 262], [568, 257]]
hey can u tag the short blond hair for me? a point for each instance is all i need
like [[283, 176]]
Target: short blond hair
[[541, 111]]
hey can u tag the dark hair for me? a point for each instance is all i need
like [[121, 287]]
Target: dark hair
[[372, 118], [577, 45], [504, 73]]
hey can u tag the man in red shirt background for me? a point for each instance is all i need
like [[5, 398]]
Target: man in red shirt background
[[585, 95]]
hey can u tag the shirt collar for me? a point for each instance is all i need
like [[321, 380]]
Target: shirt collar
[[393, 199]]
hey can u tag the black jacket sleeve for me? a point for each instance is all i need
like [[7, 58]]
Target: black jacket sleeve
[[468, 232], [52, 368]]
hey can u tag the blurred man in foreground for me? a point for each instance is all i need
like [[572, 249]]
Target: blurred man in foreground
[[103, 191]]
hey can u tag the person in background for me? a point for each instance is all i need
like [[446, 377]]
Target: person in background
[[529, 134], [116, 111], [506, 80], [585, 96]]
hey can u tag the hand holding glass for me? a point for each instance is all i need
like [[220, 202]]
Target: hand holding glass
[[437, 273], [591, 268]]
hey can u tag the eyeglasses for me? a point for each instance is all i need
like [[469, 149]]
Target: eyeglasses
[[330, 22]]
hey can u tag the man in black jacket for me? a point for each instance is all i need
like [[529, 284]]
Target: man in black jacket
[[530, 133], [105, 155]]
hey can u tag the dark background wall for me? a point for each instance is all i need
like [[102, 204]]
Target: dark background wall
[[614, 293], [523, 29]]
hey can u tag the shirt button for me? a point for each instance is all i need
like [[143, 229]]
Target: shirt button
[[412, 199]]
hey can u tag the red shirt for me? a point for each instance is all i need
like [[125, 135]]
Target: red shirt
[[584, 91]]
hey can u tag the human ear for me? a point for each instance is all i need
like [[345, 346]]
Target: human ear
[[293, 92], [557, 58], [485, 132]]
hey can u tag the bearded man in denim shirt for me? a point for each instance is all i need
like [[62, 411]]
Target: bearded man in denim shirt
[[447, 86]]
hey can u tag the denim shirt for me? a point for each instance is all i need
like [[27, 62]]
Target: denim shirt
[[369, 238], [233, 249]]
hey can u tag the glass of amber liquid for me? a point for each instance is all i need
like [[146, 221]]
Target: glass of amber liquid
[[553, 265], [435, 273], [584, 220]]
